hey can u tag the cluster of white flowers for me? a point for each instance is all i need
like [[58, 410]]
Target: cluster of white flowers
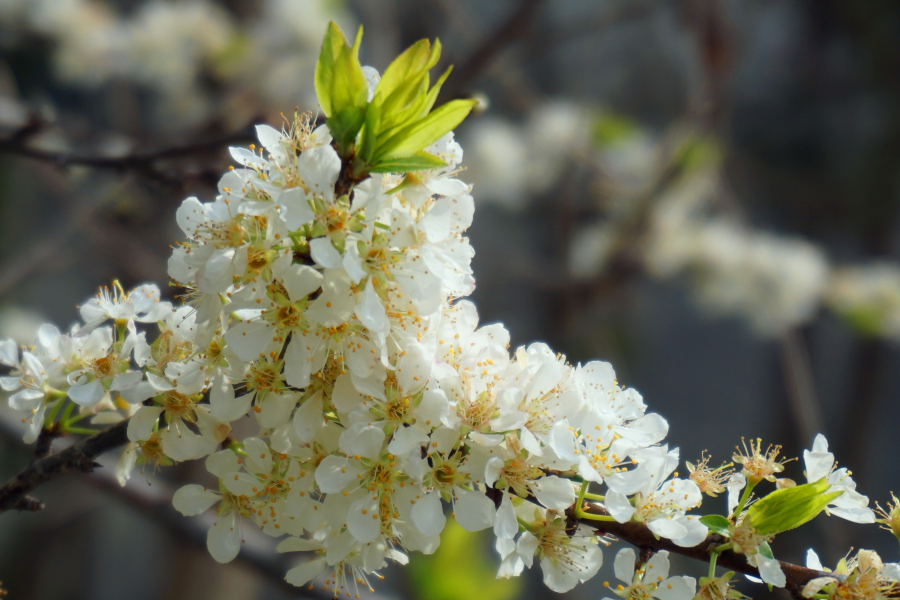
[[774, 282], [868, 296], [513, 163], [331, 312], [169, 47]]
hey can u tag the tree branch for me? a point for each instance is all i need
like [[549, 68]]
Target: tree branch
[[510, 30], [78, 457], [16, 144], [640, 536]]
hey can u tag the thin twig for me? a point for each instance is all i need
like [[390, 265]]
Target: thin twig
[[136, 161], [512, 29]]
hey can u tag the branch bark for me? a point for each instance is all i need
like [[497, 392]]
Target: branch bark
[[78, 457], [640, 536]]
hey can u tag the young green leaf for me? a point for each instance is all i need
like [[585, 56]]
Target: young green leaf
[[424, 132], [415, 162], [791, 507], [331, 48], [414, 61], [718, 524], [340, 81]]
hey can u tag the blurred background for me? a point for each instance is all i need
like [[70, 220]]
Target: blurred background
[[703, 192]]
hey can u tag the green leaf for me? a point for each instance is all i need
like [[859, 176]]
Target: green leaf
[[414, 61], [344, 126], [718, 524], [340, 81], [791, 507], [331, 48], [424, 132], [416, 162]]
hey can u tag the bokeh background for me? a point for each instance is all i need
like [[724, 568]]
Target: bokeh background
[[703, 192]]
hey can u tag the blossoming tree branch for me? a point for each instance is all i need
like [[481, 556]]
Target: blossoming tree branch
[[324, 299]]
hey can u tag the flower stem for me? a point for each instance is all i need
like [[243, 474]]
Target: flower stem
[[64, 419], [81, 430], [744, 498], [48, 420]]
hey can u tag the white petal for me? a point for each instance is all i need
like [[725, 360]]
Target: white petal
[[88, 394], [305, 573], [179, 443], [363, 520], [428, 514], [222, 463], [370, 311], [554, 492], [506, 525], [140, 426], [345, 397], [658, 567], [295, 210], [474, 511], [225, 406], [324, 253], [259, 459], [334, 473], [363, 440], [9, 353], [624, 565], [812, 560], [618, 506], [404, 440], [308, 419], [319, 168], [555, 578], [677, 588], [414, 368], [224, 539], [667, 528], [770, 571], [300, 281], [250, 340], [193, 499], [696, 532]]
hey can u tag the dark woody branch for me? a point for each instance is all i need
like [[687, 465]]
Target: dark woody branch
[[640, 536], [78, 457]]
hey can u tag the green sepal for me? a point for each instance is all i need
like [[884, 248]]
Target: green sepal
[[417, 162], [717, 524], [790, 507]]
